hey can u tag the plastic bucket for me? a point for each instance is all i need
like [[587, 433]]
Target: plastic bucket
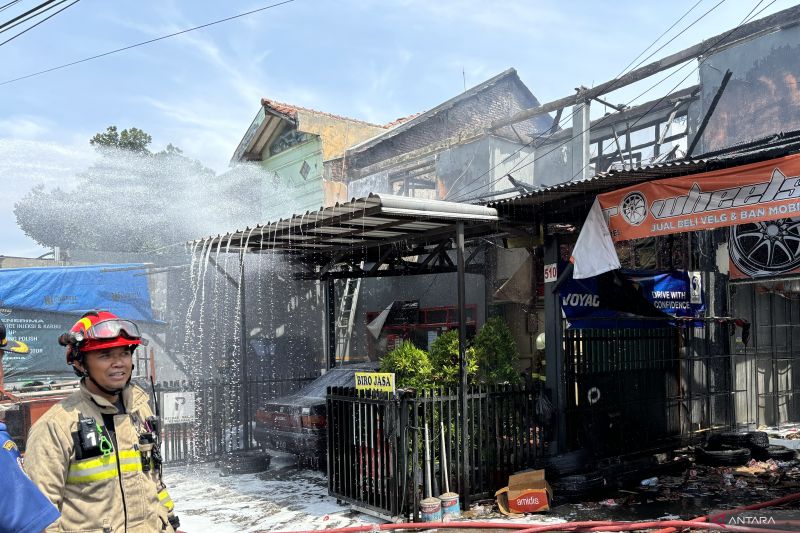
[[451, 508], [430, 510]]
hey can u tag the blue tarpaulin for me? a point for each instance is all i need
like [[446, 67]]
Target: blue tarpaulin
[[38, 304], [121, 289]]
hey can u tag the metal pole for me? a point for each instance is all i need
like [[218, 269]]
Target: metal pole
[[243, 343], [330, 316], [553, 349], [462, 361]]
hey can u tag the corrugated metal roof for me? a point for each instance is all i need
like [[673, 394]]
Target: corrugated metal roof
[[361, 226], [613, 179], [748, 152]]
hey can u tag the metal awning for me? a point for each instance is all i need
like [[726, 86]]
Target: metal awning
[[365, 229], [376, 236]]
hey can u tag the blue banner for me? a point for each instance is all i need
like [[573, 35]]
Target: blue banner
[[38, 304], [632, 299], [121, 289]]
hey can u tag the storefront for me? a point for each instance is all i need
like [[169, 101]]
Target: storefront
[[728, 227]]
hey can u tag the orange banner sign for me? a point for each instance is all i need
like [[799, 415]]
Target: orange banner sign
[[757, 192]]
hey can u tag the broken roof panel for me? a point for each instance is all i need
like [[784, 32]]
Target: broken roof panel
[[762, 149], [422, 117]]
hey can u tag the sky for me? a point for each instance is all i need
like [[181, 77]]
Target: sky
[[374, 60]]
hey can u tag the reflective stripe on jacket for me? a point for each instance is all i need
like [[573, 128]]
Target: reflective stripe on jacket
[[108, 494]]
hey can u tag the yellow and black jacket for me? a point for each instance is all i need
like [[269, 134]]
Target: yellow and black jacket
[[111, 493]]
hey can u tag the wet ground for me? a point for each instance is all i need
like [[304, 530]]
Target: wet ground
[[285, 498]]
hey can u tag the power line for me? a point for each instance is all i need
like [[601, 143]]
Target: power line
[[11, 23], [6, 6], [150, 41], [519, 165], [747, 18], [571, 114], [29, 28]]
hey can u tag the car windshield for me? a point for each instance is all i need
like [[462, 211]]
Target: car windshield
[[335, 377]]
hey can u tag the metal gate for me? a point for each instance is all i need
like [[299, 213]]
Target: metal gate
[[623, 389], [362, 451], [376, 444], [767, 369], [214, 426]]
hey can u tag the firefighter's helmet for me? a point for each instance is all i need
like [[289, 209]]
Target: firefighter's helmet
[[540, 341], [10, 345], [99, 330]]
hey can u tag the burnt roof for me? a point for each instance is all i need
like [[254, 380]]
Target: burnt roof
[[577, 196]]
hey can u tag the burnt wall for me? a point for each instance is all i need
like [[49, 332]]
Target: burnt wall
[[762, 97]]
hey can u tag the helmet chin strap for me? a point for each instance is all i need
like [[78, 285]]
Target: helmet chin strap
[[110, 392]]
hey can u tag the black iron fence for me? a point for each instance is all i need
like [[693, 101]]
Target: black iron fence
[[630, 390], [377, 445], [215, 425], [622, 389]]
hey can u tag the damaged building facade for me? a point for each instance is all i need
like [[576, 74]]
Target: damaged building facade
[[623, 386]]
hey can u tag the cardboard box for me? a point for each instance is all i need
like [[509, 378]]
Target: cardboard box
[[527, 492]]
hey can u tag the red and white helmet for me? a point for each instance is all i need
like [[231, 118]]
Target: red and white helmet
[[98, 330]]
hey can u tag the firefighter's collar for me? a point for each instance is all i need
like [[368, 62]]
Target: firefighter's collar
[[110, 408]]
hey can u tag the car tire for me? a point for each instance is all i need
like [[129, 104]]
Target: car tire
[[567, 464], [244, 462], [746, 439], [578, 484], [726, 456], [315, 462], [780, 453]]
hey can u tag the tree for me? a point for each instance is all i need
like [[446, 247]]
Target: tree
[[133, 200], [132, 140]]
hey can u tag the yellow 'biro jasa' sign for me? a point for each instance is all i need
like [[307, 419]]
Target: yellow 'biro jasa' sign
[[382, 381]]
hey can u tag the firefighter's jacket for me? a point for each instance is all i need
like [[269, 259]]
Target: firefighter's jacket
[[105, 493]]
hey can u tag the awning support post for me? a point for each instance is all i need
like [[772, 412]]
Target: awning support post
[[330, 319], [245, 395], [462, 362], [553, 349]]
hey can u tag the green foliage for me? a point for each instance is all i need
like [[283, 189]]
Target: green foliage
[[131, 140], [496, 353], [411, 366], [444, 360]]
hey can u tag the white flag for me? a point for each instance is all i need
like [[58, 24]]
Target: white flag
[[594, 252], [377, 323]]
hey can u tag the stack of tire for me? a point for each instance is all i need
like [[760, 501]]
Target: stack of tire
[[737, 448], [243, 462], [571, 475]]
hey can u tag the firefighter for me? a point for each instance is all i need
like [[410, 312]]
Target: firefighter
[[96, 454], [23, 508]]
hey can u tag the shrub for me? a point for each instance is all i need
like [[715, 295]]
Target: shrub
[[411, 366], [444, 360], [496, 353]]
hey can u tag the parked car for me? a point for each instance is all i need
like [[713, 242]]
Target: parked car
[[297, 423]]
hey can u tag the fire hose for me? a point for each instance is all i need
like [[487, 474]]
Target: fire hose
[[754, 507], [665, 526], [591, 525]]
